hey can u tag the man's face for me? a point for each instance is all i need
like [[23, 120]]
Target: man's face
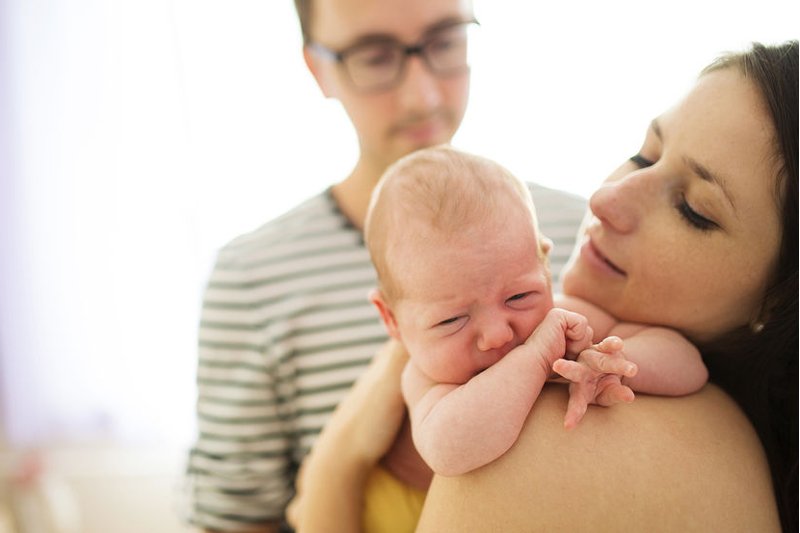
[[423, 109]]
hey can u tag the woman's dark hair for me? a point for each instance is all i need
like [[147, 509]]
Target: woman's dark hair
[[757, 364]]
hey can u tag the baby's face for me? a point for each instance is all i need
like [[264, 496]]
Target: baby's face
[[469, 299]]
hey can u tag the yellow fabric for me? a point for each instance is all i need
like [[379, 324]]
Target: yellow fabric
[[390, 506]]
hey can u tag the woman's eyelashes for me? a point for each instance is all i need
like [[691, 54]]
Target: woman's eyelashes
[[694, 218], [641, 161]]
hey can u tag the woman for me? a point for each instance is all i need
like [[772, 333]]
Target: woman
[[698, 231]]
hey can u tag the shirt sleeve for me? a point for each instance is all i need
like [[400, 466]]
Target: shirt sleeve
[[239, 472]]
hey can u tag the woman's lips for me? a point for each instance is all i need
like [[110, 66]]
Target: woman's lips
[[596, 258]]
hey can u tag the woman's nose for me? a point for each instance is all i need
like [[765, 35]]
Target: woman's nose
[[494, 334], [618, 203]]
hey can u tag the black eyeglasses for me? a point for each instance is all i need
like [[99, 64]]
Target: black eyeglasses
[[379, 64]]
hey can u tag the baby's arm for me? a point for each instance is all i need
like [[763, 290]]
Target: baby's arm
[[457, 428], [668, 364]]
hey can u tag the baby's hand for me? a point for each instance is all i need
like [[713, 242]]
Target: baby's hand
[[596, 378], [560, 333]]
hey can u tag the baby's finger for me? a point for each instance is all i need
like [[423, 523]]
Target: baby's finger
[[576, 408], [607, 364], [570, 370], [579, 337], [610, 344], [613, 394]]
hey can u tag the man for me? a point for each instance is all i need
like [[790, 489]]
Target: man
[[287, 326]]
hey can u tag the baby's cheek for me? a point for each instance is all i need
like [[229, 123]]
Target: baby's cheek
[[536, 317], [439, 366]]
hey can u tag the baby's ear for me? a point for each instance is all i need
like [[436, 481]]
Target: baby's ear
[[389, 320], [546, 244]]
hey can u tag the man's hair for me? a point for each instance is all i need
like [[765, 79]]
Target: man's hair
[[303, 8], [443, 190]]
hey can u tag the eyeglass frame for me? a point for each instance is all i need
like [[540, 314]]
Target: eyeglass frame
[[418, 49]]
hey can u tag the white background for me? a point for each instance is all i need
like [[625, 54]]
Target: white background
[[138, 136]]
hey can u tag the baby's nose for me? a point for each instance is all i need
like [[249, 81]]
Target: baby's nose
[[495, 334]]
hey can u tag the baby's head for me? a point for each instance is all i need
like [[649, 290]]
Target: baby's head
[[438, 195], [454, 239]]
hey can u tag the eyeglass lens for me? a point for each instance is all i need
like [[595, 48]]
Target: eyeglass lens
[[380, 64]]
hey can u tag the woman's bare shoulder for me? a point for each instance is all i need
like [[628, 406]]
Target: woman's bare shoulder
[[663, 464]]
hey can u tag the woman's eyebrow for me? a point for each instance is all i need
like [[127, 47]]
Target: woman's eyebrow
[[698, 168], [707, 175]]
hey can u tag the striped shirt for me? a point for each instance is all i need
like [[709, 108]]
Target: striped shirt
[[286, 329]]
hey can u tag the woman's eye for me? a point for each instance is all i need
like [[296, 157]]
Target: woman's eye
[[694, 218], [641, 161]]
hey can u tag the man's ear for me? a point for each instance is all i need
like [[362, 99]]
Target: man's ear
[[389, 320], [321, 75]]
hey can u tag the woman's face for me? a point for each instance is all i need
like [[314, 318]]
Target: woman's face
[[686, 233]]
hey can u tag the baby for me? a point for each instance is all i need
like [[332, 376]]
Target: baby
[[463, 283]]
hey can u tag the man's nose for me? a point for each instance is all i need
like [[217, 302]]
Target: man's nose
[[419, 90]]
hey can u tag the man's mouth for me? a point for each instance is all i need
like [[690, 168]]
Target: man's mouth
[[424, 128], [424, 132]]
